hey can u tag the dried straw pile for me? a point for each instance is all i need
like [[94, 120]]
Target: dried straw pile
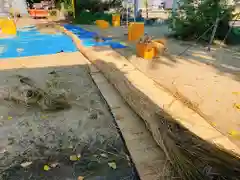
[[29, 94], [193, 158]]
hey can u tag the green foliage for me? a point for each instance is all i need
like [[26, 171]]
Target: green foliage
[[193, 20], [96, 5], [86, 17], [88, 11]]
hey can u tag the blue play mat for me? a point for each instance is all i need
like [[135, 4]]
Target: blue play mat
[[30, 42], [87, 38]]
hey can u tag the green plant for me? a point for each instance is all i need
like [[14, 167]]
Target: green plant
[[96, 5], [86, 17], [192, 20]]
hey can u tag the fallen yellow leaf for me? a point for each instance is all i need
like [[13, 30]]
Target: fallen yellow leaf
[[213, 123], [237, 106], [236, 93], [9, 117], [80, 178], [46, 168], [234, 133], [112, 165], [75, 157]]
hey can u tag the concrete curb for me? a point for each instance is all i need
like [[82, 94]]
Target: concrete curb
[[149, 160], [156, 94]]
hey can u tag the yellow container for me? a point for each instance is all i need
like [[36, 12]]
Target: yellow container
[[7, 26], [102, 24], [135, 31], [146, 51], [116, 23], [116, 17], [116, 20]]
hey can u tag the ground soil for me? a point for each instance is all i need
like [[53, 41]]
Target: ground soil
[[32, 136]]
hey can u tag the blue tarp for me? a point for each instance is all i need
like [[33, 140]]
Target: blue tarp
[[87, 38], [30, 42]]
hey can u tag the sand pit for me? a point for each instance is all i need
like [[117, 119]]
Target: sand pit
[[81, 141]]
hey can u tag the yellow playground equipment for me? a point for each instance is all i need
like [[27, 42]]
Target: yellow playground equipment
[[7, 27], [135, 31], [102, 24], [116, 20], [145, 51]]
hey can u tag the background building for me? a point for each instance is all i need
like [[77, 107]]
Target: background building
[[18, 5]]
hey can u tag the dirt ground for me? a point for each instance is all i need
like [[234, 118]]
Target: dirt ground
[[26, 21], [208, 82], [79, 141]]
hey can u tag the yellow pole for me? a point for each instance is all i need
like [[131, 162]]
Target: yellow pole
[[73, 7]]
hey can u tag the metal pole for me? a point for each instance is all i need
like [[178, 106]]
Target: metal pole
[[136, 8], [174, 8], [127, 12]]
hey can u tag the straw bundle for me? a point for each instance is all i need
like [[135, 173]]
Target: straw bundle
[[28, 93], [193, 158]]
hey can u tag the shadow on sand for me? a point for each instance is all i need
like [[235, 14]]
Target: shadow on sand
[[192, 158], [87, 130]]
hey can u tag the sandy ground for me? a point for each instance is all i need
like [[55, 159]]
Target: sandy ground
[[79, 141], [207, 82], [27, 21]]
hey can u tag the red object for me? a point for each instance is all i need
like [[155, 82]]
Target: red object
[[38, 13]]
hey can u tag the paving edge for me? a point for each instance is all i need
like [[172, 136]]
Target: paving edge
[[148, 158], [167, 102]]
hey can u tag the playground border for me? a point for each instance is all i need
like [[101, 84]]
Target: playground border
[[150, 161], [155, 93]]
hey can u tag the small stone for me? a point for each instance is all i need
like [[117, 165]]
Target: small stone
[[104, 155], [26, 164], [53, 165]]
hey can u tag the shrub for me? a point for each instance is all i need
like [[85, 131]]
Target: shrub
[[96, 5], [193, 19], [86, 17]]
